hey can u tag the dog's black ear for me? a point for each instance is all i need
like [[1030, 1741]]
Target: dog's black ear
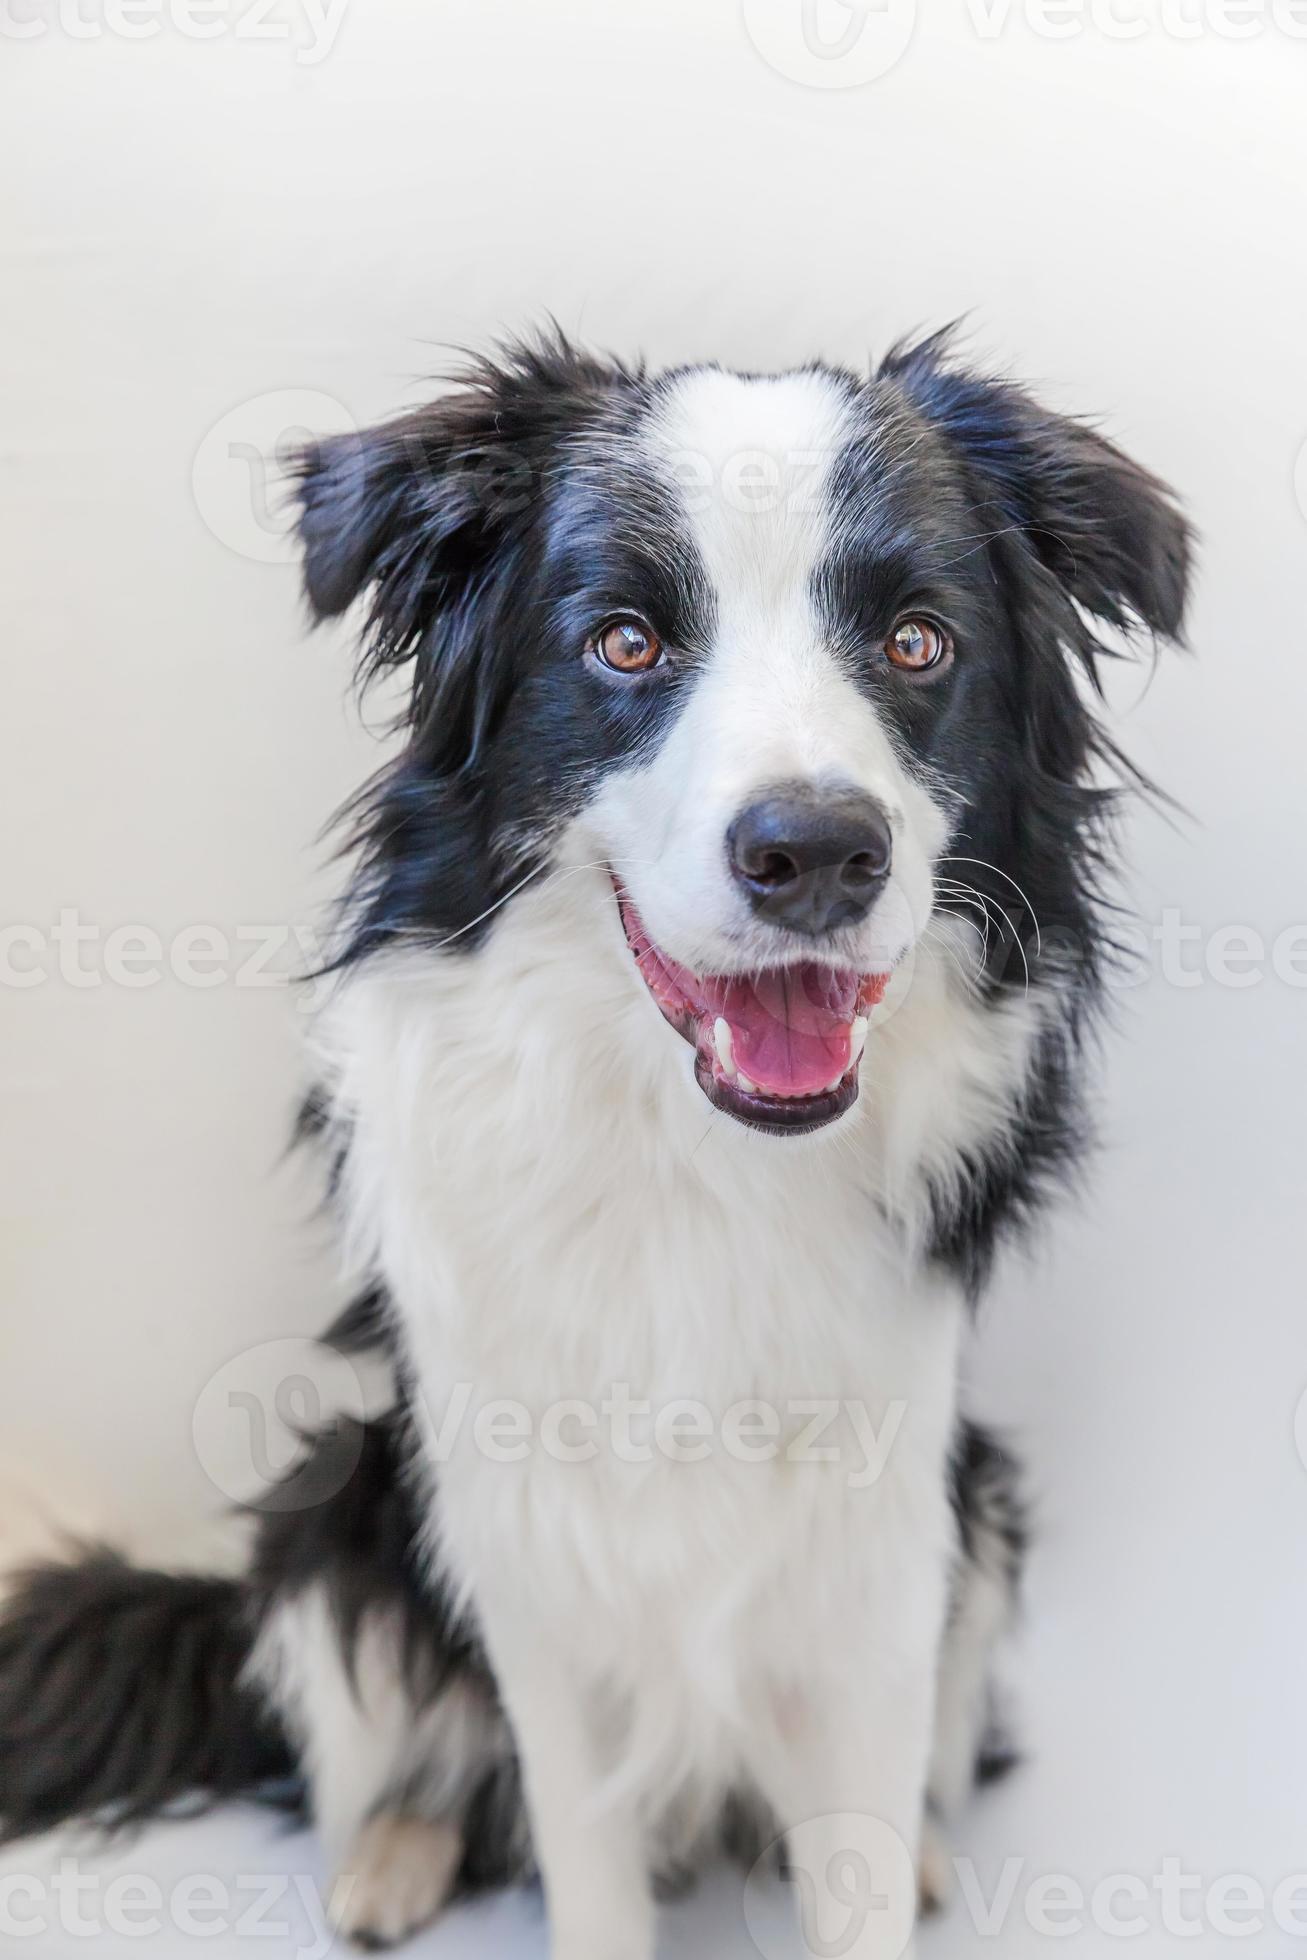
[[1109, 532], [411, 511], [403, 511], [353, 491]]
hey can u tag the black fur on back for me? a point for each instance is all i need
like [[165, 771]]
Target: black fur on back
[[365, 1325], [348, 1524], [121, 1690], [993, 1529], [988, 1508], [347, 1520], [120, 1696]]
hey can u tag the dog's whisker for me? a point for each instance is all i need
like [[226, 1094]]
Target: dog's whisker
[[985, 865], [542, 873], [951, 951]]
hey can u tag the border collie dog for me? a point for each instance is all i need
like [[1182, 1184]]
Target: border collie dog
[[710, 1001]]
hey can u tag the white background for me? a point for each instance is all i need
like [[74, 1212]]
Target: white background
[[196, 225]]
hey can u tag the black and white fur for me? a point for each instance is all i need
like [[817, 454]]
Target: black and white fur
[[546, 1188]]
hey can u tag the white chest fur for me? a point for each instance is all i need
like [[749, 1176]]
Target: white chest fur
[[690, 1389]]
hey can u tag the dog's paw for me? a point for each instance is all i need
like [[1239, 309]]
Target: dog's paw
[[398, 1876], [934, 1870]]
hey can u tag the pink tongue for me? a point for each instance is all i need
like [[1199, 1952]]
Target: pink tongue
[[791, 1028]]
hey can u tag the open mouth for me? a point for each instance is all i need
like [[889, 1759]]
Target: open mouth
[[778, 1049]]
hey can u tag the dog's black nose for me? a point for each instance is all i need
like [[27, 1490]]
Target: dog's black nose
[[811, 859]]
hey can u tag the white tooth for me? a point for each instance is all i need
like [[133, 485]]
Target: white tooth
[[859, 1040], [721, 1035], [836, 1080], [749, 1088]]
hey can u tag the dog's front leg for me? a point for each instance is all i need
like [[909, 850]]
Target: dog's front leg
[[853, 1816], [589, 1845], [845, 1776]]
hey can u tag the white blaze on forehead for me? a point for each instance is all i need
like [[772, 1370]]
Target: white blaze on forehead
[[770, 700], [752, 458]]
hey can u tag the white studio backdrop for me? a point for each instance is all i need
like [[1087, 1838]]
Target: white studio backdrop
[[212, 242]]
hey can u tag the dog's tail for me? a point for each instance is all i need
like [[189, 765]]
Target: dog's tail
[[122, 1694]]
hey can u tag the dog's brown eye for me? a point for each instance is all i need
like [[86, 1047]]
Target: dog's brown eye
[[917, 645], [628, 646]]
